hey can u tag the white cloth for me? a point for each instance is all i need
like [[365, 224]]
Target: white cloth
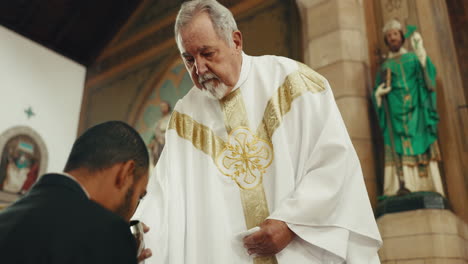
[[413, 181], [380, 92], [418, 46], [400, 52], [314, 184], [15, 178]]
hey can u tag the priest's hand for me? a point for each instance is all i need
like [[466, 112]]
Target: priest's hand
[[273, 236], [145, 253]]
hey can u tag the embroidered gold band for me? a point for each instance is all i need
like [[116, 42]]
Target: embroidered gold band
[[253, 199], [296, 84], [201, 136]]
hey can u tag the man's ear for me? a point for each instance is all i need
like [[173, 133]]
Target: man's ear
[[237, 38], [125, 173]]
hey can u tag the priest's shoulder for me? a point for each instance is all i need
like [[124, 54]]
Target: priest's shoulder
[[194, 97], [276, 64], [282, 66]]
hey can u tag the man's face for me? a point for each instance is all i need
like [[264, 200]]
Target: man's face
[[132, 198], [213, 64], [394, 39]]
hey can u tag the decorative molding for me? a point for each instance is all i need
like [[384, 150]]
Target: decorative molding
[[116, 69], [174, 74], [147, 20], [392, 5], [150, 85], [150, 66], [150, 42], [154, 51], [392, 9], [144, 44]]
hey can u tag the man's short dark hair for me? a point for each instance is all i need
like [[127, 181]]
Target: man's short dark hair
[[104, 145], [402, 38]]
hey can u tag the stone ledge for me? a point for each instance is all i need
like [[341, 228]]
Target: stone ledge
[[412, 201], [427, 235]]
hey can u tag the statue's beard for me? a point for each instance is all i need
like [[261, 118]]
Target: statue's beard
[[212, 86], [395, 47]]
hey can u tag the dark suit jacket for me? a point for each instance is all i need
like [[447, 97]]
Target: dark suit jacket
[[56, 223]]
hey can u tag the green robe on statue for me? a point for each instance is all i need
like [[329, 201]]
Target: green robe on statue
[[412, 104], [412, 110]]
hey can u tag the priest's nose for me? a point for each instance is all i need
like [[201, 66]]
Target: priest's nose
[[200, 65]]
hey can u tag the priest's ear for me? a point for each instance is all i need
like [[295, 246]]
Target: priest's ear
[[237, 39], [125, 174]]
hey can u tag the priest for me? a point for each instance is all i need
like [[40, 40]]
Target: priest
[[258, 166]]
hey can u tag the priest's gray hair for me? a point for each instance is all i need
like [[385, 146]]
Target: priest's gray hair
[[221, 18]]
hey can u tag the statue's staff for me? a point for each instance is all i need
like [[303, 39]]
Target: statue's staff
[[398, 166]]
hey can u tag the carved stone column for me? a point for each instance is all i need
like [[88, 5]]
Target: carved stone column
[[335, 45]]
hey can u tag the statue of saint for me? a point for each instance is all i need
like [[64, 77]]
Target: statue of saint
[[405, 101], [157, 142]]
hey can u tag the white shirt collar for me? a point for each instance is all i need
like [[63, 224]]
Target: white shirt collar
[[398, 53], [74, 179], [245, 69]]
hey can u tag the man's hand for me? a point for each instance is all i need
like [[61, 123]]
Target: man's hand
[[273, 236], [145, 253]]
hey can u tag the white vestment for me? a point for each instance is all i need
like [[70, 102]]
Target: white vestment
[[293, 146]]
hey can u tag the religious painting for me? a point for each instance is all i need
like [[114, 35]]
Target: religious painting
[[155, 113], [22, 160]]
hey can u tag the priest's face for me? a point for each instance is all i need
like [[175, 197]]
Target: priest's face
[[214, 65], [394, 39]]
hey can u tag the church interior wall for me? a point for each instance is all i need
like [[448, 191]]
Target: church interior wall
[[335, 45], [50, 84], [40, 106]]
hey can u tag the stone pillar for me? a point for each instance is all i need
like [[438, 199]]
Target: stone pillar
[[335, 45], [423, 237], [437, 34]]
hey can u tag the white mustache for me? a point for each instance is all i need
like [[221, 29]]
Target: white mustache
[[207, 76]]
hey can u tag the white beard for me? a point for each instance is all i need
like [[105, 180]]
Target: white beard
[[210, 89]]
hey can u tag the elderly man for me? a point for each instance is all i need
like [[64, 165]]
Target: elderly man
[[258, 166], [409, 120], [82, 214]]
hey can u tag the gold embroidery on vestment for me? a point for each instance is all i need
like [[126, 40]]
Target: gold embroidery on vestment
[[201, 136], [246, 156], [295, 85]]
